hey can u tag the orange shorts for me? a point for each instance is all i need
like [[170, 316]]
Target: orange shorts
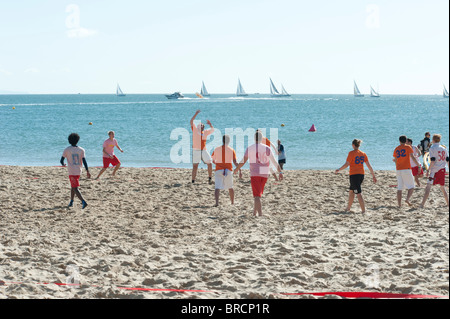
[[113, 161], [74, 181], [258, 184]]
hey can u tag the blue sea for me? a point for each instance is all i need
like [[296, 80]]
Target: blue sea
[[34, 128]]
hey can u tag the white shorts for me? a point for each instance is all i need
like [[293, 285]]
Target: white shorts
[[224, 179], [201, 155], [405, 179]]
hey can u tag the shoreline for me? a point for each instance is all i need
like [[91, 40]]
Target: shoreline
[[151, 228]]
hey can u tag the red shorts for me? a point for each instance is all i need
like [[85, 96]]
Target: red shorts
[[113, 161], [74, 181], [258, 184], [439, 178], [415, 171]]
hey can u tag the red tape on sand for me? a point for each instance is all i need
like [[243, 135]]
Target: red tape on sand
[[371, 295]]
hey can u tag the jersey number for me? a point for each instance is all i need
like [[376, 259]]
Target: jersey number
[[75, 159], [441, 156], [359, 160], [401, 153]]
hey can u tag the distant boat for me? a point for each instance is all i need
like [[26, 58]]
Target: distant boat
[[373, 93], [176, 95], [274, 91], [204, 91], [240, 90], [119, 91], [356, 91], [445, 94]]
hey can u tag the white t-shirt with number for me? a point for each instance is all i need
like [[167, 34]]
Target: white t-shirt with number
[[74, 156], [440, 154]]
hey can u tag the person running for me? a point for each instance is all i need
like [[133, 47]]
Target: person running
[[75, 156], [224, 157], [436, 173], [403, 154], [356, 160], [199, 152], [108, 154], [417, 171], [281, 155], [259, 156]]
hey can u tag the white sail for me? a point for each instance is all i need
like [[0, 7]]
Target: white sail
[[119, 91], [204, 91], [373, 93], [240, 90], [445, 92], [273, 88], [356, 91], [283, 91]]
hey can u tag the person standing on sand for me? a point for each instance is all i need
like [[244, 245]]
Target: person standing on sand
[[260, 156], [281, 155], [417, 171], [403, 154], [75, 159], [224, 157], [267, 142], [108, 154], [356, 160], [199, 152], [436, 173]]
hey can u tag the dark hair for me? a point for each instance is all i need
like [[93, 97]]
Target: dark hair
[[403, 139], [258, 136], [410, 140], [427, 133], [357, 142], [73, 139], [226, 139]]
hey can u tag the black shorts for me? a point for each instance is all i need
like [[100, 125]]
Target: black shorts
[[282, 161], [355, 183]]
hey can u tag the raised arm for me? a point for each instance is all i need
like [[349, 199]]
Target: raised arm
[[193, 118]]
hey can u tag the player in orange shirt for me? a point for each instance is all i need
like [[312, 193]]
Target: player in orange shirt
[[356, 160], [224, 157], [403, 155]]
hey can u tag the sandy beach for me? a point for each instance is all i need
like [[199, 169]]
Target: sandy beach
[[153, 229]]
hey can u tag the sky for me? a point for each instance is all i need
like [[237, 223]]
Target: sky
[[311, 47]]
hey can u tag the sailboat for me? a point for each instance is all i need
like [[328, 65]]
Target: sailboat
[[240, 90], [204, 92], [445, 94], [119, 91], [356, 91], [274, 91], [373, 93]]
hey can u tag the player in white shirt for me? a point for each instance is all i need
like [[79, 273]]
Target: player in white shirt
[[75, 156], [417, 171], [439, 159]]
